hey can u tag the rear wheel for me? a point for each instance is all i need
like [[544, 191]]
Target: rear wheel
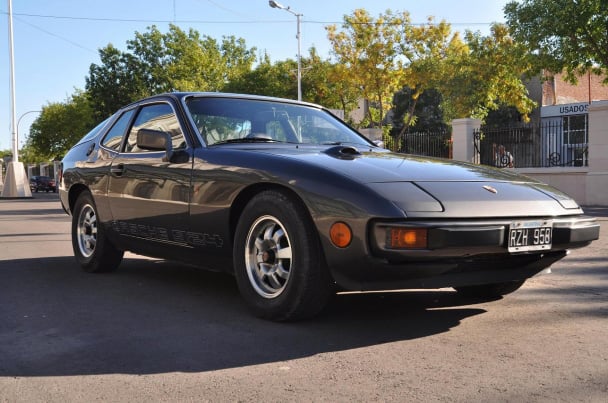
[[490, 290], [93, 251], [279, 265]]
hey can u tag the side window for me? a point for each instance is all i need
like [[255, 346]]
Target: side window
[[156, 117], [113, 138]]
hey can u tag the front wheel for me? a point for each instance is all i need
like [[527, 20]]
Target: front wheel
[[93, 251], [490, 290], [279, 266]]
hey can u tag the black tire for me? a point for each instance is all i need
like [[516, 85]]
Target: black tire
[[279, 266], [490, 290], [93, 251]]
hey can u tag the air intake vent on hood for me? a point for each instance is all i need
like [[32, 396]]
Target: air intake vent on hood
[[343, 152]]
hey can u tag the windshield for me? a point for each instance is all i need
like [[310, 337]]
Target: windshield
[[230, 120]]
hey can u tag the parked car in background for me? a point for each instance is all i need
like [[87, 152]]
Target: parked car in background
[[298, 205], [42, 184]]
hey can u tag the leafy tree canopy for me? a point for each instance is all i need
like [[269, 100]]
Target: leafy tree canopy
[[379, 56], [427, 107], [563, 34], [59, 126], [157, 62], [488, 76]]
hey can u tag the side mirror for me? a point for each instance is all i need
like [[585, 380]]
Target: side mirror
[[153, 140]]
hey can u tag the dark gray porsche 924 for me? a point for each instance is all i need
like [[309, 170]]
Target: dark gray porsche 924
[[298, 205]]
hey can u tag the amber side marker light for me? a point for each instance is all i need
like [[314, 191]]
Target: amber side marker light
[[408, 238], [340, 234]]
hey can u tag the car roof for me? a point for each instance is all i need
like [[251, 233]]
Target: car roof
[[179, 96]]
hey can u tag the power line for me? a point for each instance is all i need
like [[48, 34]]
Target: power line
[[131, 20], [55, 35]]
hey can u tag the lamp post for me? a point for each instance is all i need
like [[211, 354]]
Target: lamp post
[[16, 184], [274, 4], [12, 81]]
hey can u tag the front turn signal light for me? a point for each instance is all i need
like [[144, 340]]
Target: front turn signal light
[[340, 234], [408, 238]]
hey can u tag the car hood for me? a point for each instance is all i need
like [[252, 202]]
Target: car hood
[[424, 186], [381, 166]]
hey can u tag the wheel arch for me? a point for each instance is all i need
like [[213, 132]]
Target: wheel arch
[[251, 191], [75, 191]]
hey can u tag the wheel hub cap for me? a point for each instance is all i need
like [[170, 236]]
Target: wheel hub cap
[[268, 256]]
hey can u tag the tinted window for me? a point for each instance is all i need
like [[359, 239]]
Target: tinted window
[[156, 117], [113, 138]]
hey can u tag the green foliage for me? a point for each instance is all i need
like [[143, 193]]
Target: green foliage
[[368, 50], [428, 112], [504, 116], [322, 84], [270, 79], [116, 82], [157, 62], [58, 127], [487, 76], [562, 34], [380, 56]]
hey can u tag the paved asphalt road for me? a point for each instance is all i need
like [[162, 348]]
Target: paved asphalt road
[[157, 331]]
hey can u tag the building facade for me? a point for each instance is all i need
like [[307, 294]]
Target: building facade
[[564, 115]]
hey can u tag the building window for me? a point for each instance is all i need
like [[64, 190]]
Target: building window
[[575, 139]]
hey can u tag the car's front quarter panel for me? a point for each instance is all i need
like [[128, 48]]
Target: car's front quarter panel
[[222, 176]]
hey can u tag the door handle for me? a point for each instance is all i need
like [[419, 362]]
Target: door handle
[[117, 170]]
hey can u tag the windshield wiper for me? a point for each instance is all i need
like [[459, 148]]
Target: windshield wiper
[[249, 140]]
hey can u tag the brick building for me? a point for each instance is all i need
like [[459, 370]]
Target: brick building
[[556, 91], [563, 112], [570, 99]]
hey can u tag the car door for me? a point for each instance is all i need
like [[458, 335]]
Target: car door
[[149, 190]]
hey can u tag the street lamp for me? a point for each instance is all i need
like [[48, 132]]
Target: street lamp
[[16, 184], [274, 4], [19, 121]]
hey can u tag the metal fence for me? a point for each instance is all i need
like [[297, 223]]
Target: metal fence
[[431, 144], [548, 144]]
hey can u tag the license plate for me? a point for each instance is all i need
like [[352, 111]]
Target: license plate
[[530, 235]]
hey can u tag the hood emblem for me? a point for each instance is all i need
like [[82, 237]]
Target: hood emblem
[[490, 189]]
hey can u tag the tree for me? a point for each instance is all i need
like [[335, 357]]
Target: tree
[[269, 79], [563, 34], [118, 81], [487, 76], [157, 62], [321, 82], [323, 85], [430, 50], [59, 126], [368, 50], [381, 56], [427, 110]]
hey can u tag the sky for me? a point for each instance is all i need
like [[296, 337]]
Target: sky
[[56, 41]]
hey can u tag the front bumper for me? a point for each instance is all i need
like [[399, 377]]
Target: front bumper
[[459, 253], [458, 239]]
